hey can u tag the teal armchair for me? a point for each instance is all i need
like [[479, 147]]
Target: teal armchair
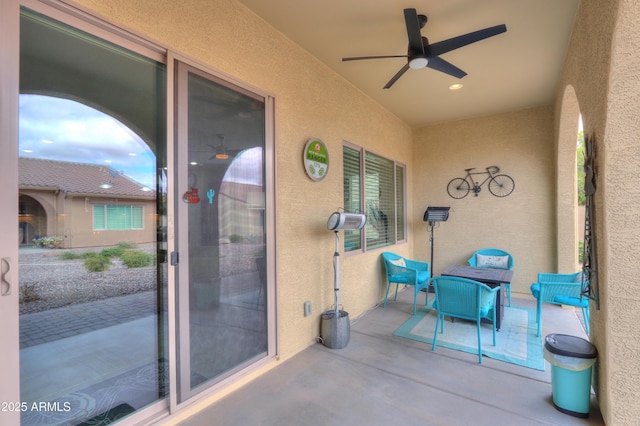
[[408, 272], [560, 289], [466, 299], [493, 258]]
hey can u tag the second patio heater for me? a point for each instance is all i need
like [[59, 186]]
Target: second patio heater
[[335, 327], [432, 216]]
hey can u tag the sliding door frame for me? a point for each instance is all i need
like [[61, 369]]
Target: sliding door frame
[[179, 226], [9, 290], [9, 95]]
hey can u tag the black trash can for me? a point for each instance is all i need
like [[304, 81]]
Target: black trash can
[[571, 359]]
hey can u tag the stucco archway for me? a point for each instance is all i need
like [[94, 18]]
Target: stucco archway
[[33, 217], [567, 230]]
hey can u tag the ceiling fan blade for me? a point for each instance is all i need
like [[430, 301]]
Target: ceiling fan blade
[[397, 76], [437, 49], [413, 31], [358, 58], [441, 65]]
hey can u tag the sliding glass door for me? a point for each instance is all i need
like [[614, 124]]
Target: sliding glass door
[[134, 273], [92, 193], [222, 236]]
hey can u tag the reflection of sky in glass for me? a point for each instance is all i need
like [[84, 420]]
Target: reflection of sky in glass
[[246, 168], [64, 130]]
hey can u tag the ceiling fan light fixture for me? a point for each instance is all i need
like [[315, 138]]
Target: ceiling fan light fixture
[[456, 86], [417, 63], [222, 156]]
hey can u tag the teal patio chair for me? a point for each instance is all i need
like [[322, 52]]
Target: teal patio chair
[[408, 272], [493, 258], [465, 299], [560, 289]]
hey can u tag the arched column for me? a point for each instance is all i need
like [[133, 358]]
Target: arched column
[[567, 229]]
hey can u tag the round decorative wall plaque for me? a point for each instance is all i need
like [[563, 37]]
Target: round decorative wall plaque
[[316, 159]]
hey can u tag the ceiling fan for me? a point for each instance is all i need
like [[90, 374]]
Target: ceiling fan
[[221, 152], [421, 54]]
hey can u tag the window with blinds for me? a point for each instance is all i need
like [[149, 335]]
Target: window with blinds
[[117, 218], [380, 201], [376, 186], [400, 222], [352, 194]]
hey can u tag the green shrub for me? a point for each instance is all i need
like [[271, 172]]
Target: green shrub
[[580, 251], [125, 245], [235, 238], [97, 263], [69, 255], [137, 259], [28, 293], [112, 251], [89, 254]]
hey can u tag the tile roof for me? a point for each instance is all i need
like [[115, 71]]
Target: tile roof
[[77, 178]]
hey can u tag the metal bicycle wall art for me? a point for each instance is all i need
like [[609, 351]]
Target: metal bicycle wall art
[[500, 185]]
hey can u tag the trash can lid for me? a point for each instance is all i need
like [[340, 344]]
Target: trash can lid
[[563, 344]]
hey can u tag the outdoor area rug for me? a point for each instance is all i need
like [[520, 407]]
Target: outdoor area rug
[[516, 342]]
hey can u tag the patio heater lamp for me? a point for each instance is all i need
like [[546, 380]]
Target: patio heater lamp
[[335, 323], [433, 215]]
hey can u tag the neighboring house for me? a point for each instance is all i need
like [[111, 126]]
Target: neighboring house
[[100, 206]]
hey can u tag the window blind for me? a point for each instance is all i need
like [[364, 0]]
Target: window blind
[[352, 194], [400, 225], [380, 202], [117, 218]]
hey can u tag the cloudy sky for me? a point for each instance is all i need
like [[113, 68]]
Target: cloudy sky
[[64, 130]]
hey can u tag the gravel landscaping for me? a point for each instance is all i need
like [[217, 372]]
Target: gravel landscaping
[[48, 282]]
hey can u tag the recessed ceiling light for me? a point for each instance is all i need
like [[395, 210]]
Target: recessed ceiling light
[[46, 141], [107, 161], [132, 154], [455, 86], [27, 150], [145, 189], [106, 186], [194, 163]]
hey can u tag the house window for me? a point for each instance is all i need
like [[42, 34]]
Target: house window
[[400, 222], [117, 218], [378, 190], [352, 191]]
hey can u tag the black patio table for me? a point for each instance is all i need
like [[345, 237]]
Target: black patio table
[[488, 276]]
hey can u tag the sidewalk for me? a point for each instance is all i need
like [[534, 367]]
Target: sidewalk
[[59, 323]]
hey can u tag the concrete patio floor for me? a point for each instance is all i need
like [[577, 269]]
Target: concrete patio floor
[[381, 379]]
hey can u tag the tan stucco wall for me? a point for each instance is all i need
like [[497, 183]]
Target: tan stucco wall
[[72, 218], [602, 66], [311, 101], [523, 223]]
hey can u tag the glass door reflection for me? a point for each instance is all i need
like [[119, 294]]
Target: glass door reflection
[[222, 234]]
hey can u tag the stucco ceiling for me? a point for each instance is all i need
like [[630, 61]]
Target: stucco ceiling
[[514, 70]]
